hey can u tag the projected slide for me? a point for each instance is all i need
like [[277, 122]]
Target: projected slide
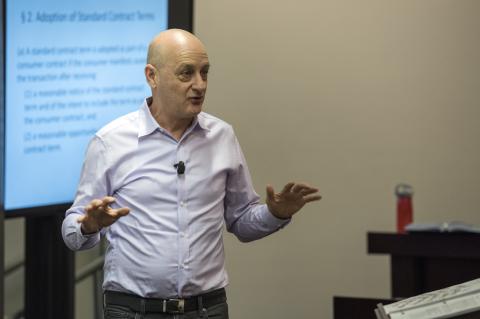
[[71, 67]]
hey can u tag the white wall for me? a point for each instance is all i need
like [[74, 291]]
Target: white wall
[[353, 97]]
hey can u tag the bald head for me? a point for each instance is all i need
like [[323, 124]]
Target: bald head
[[166, 45], [176, 71]]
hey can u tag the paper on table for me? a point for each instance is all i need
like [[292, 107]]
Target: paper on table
[[453, 226], [442, 303]]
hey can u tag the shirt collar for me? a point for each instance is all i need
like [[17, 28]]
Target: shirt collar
[[201, 122], [148, 124]]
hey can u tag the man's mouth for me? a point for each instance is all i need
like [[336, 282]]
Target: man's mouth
[[196, 99]]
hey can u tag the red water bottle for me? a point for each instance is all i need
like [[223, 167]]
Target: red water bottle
[[404, 194]]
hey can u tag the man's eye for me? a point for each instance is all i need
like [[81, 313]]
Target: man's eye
[[186, 73]]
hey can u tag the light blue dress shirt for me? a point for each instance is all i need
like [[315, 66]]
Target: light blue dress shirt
[[170, 245]]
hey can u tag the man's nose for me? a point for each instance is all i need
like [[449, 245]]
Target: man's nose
[[199, 82]]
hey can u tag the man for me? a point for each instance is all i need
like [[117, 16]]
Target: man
[[159, 183]]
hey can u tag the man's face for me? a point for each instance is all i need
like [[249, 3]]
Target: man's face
[[182, 81]]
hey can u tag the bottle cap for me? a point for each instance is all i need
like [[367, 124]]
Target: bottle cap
[[403, 190]]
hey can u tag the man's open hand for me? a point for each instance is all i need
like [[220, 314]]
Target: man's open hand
[[99, 214], [291, 199]]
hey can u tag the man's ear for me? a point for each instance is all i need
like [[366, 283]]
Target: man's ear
[[150, 75]]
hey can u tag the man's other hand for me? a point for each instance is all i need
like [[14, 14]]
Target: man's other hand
[[99, 214], [291, 199]]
